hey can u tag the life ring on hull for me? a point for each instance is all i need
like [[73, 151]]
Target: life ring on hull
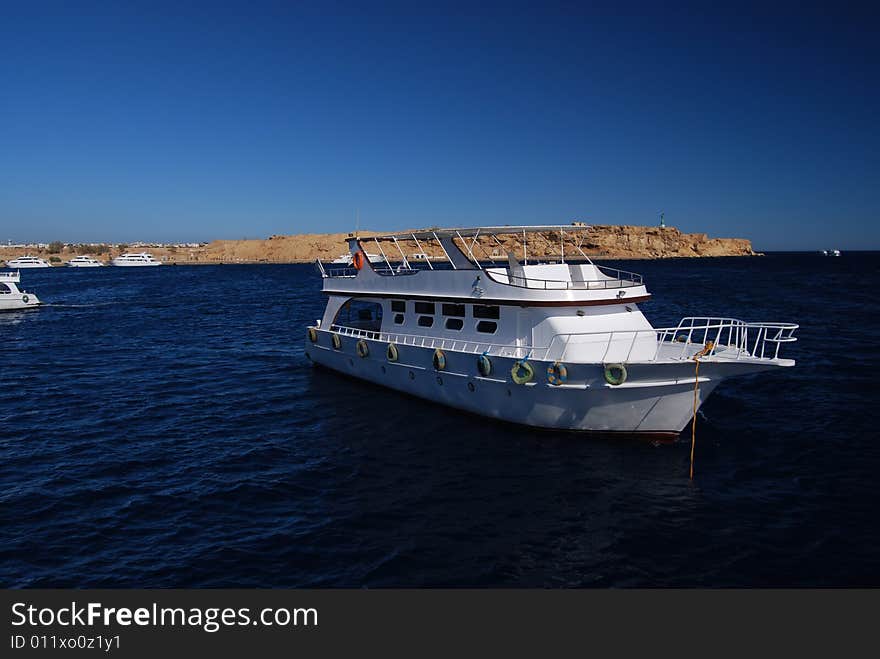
[[439, 360], [337, 342], [484, 366], [362, 349], [313, 335], [557, 373], [522, 372], [391, 353], [358, 260], [615, 374], [25, 299]]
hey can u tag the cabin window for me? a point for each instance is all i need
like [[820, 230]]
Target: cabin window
[[454, 324], [4, 289], [425, 307], [362, 314], [398, 305], [426, 321], [453, 310], [398, 319], [485, 311], [487, 326]]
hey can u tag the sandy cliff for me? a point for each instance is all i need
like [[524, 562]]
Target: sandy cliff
[[624, 242], [619, 242]]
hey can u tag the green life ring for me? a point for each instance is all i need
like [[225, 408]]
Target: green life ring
[[337, 342], [522, 372], [362, 349], [313, 335], [615, 374], [484, 366], [439, 360], [557, 373], [391, 353]]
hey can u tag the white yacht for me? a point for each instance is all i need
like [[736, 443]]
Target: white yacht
[[135, 259], [11, 297], [346, 259], [28, 262], [84, 262], [562, 345]]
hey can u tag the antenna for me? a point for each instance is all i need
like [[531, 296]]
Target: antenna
[[357, 222]]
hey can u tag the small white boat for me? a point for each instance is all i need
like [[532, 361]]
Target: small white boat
[[11, 297], [562, 346], [28, 262], [131, 259], [84, 262], [346, 259], [835, 252]]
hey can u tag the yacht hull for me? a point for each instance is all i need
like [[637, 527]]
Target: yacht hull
[[123, 264], [656, 399], [16, 302]]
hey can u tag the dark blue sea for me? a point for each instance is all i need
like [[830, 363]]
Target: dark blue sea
[[162, 428]]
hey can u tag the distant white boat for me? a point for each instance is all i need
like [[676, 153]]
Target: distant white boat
[[140, 259], [27, 262], [346, 259], [835, 252], [11, 298], [84, 262]]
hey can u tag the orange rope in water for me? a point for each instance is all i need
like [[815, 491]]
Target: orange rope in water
[[705, 351]]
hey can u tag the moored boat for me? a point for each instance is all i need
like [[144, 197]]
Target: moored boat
[[140, 259], [562, 345], [28, 261], [84, 262]]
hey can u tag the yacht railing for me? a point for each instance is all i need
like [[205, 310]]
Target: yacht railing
[[619, 279], [731, 339], [616, 278]]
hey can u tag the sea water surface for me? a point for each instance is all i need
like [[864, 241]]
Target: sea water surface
[[161, 427]]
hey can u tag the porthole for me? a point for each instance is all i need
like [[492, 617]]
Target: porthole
[[439, 380], [509, 392], [412, 376], [471, 386], [487, 326]]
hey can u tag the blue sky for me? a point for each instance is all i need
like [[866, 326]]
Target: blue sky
[[126, 121]]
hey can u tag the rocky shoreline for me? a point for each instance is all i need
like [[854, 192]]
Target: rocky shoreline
[[599, 242]]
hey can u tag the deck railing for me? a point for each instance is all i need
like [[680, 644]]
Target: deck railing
[[617, 279], [731, 339]]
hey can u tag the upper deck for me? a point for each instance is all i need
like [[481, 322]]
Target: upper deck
[[470, 271]]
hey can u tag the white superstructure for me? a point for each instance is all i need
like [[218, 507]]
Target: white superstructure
[[11, 297], [135, 259], [27, 262], [84, 262], [561, 345]]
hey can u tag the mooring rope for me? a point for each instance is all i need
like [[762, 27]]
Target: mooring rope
[[705, 351]]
